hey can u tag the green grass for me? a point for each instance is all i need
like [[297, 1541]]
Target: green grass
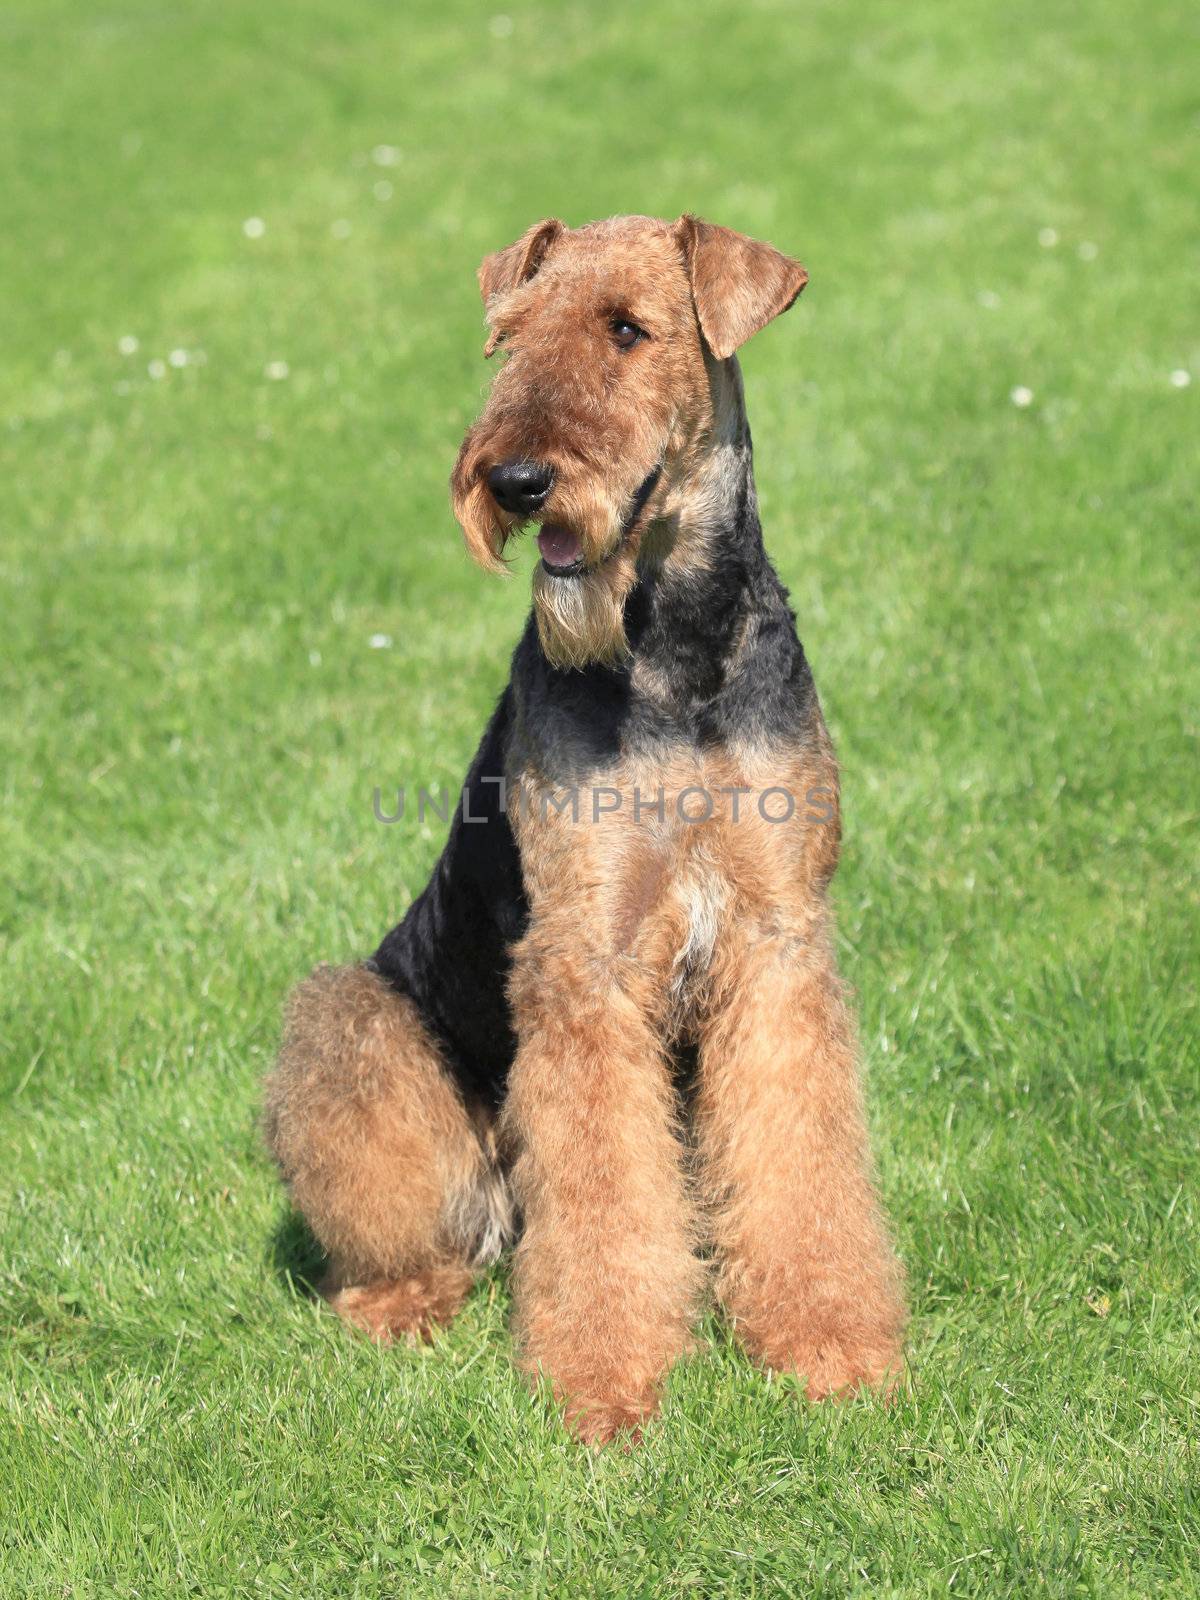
[[1000, 604]]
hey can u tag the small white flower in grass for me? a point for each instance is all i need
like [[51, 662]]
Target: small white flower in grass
[[127, 345], [383, 190], [178, 358], [1021, 396], [254, 227], [380, 641], [1088, 251], [157, 369], [277, 371], [1180, 378], [1047, 238], [500, 26], [314, 658], [340, 229], [988, 299], [385, 155]]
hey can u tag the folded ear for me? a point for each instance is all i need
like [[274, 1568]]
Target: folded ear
[[738, 284], [505, 269]]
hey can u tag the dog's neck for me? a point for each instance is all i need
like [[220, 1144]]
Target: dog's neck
[[705, 580], [713, 656]]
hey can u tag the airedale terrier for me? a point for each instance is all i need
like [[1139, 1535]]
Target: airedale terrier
[[611, 1028]]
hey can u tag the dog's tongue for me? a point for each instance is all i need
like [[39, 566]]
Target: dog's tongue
[[559, 546]]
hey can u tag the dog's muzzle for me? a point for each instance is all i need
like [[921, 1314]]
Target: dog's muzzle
[[561, 547]]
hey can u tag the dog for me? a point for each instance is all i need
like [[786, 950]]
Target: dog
[[611, 1029]]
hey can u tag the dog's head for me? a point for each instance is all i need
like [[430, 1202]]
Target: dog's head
[[611, 336]]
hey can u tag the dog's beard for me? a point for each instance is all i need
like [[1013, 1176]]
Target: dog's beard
[[581, 619], [484, 529]]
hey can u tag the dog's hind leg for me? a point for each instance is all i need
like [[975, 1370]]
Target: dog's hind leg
[[383, 1158]]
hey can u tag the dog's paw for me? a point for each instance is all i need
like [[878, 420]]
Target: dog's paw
[[836, 1371], [835, 1343], [407, 1309], [833, 1365], [602, 1422]]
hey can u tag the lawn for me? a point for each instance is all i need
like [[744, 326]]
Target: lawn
[[241, 340]]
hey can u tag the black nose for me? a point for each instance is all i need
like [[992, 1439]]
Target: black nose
[[520, 486]]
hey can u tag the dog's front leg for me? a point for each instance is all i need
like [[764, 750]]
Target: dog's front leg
[[806, 1269], [606, 1273]]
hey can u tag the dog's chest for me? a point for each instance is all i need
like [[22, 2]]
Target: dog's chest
[[667, 869], [700, 903], [696, 899]]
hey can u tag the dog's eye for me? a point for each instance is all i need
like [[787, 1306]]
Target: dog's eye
[[625, 333]]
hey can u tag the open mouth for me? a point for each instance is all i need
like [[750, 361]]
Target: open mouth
[[562, 548]]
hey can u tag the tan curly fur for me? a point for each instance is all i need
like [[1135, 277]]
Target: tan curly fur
[[645, 935], [381, 1154]]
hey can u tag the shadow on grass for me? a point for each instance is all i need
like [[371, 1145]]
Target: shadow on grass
[[296, 1258]]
